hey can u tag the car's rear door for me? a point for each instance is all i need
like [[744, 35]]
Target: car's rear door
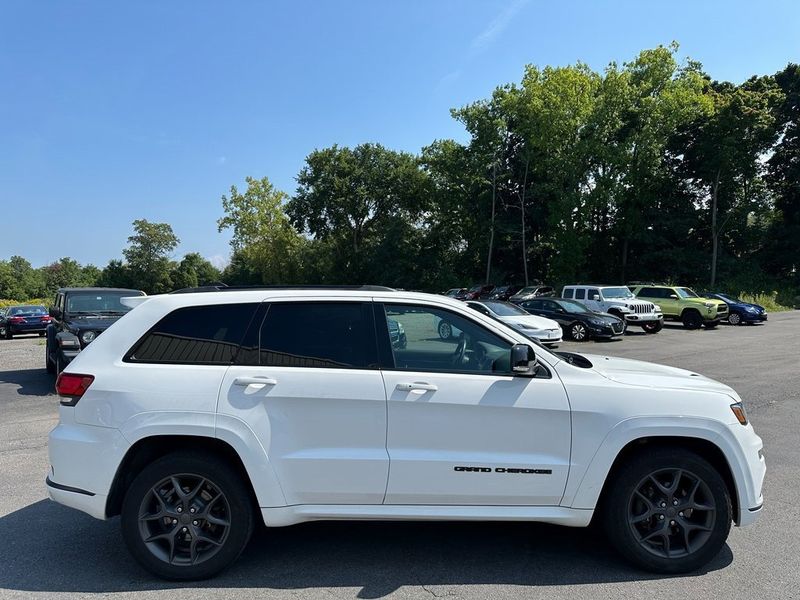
[[308, 384], [461, 428]]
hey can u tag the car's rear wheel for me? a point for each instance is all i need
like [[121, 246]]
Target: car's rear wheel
[[445, 330], [734, 319], [187, 516], [667, 510], [578, 332], [2, 331], [691, 319]]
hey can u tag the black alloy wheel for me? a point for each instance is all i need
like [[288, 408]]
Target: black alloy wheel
[[187, 516], [667, 510]]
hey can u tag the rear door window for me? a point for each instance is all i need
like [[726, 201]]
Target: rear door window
[[580, 294], [203, 335], [337, 335]]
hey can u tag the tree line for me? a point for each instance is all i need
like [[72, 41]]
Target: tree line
[[648, 170]]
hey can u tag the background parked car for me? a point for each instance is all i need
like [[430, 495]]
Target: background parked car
[[619, 301], [457, 293], [478, 291], [739, 311], [546, 331], [576, 319], [532, 291], [24, 319], [504, 292], [683, 304]]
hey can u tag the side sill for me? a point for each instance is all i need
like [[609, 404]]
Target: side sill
[[301, 513]]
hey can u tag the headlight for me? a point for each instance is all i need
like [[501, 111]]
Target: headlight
[[751, 309], [656, 308], [708, 304], [88, 336]]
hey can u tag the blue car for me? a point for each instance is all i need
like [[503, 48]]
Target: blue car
[[740, 312], [23, 319]]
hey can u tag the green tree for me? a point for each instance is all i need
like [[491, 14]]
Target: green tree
[[349, 199], [148, 255], [19, 280], [68, 272], [194, 270], [261, 232]]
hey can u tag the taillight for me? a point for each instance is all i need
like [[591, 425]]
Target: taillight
[[16, 320], [71, 386]]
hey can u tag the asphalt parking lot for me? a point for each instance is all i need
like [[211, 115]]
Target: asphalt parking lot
[[50, 551]]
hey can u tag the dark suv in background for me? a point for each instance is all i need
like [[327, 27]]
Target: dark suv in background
[[78, 316]]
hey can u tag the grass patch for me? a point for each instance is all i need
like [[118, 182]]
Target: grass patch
[[768, 301]]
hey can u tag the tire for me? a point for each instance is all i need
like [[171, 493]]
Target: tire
[[9, 335], [225, 524], [646, 526], [48, 364], [653, 327], [691, 319], [2, 331], [41, 334], [579, 332], [735, 319], [445, 330]]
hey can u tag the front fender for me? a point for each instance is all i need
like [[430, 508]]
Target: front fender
[[583, 491]]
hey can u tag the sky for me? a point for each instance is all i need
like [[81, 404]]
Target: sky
[[111, 112]]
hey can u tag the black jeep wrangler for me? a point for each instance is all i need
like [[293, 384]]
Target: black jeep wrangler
[[78, 316]]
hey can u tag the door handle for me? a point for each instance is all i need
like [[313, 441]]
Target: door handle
[[408, 387], [245, 381]]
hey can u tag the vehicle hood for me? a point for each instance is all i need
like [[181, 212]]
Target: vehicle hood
[[603, 316], [93, 323], [703, 301], [646, 374], [530, 321]]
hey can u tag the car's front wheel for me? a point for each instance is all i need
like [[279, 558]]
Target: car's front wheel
[[692, 319], [445, 330], [187, 516], [654, 327], [734, 319], [667, 510], [578, 332]]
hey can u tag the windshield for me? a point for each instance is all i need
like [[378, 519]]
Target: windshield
[[617, 292], [686, 293], [98, 303], [526, 290], [505, 309], [576, 308], [26, 310]]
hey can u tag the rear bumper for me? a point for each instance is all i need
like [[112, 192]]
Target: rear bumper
[[83, 463]]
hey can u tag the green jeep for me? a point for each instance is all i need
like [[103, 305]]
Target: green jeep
[[682, 304]]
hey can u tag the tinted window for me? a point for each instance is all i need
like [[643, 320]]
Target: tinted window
[[337, 335], [580, 293], [650, 292], [532, 304], [208, 335], [470, 347], [568, 293], [590, 294]]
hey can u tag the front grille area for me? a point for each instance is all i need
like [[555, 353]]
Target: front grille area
[[722, 309], [642, 308], [616, 327]]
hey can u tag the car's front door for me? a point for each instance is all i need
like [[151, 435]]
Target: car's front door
[[307, 383], [461, 428]]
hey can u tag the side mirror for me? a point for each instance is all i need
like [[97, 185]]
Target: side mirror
[[523, 360], [54, 312], [595, 296], [673, 296]]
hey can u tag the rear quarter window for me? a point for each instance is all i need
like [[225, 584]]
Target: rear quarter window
[[568, 293], [205, 335]]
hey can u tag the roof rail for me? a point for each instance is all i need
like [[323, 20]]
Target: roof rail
[[221, 287]]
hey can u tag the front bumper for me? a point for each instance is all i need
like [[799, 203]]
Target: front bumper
[[644, 318]]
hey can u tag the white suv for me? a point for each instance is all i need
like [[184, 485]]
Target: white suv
[[619, 301], [197, 414]]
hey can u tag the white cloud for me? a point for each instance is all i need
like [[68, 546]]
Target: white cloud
[[219, 261], [485, 38]]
